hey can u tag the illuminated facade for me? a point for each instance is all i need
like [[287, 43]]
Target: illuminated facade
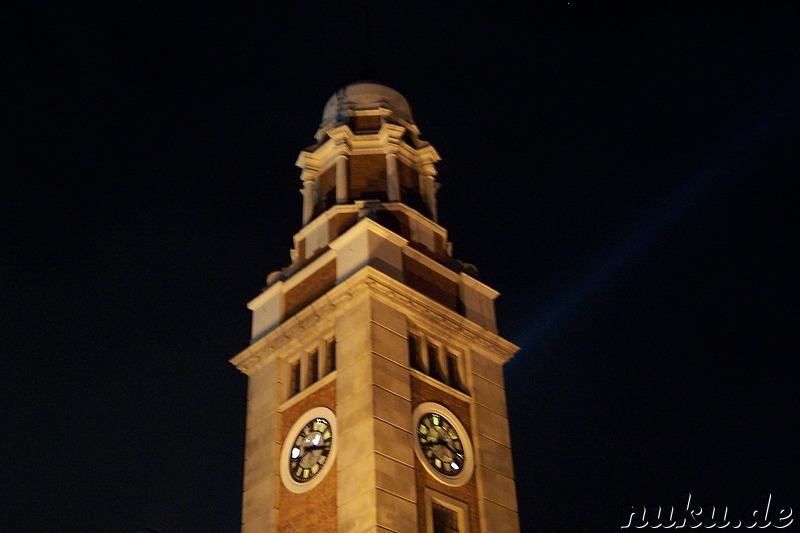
[[375, 386]]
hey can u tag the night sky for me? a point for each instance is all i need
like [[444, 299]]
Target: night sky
[[624, 175]]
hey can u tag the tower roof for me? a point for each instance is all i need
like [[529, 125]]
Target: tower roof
[[363, 95]]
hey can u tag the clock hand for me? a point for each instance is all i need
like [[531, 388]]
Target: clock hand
[[441, 442], [446, 444], [455, 452]]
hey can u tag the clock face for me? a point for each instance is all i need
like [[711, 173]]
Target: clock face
[[441, 444], [311, 450], [308, 450]]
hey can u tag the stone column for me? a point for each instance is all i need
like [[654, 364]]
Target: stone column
[[392, 182], [429, 193], [374, 472], [261, 478], [341, 179], [308, 199]]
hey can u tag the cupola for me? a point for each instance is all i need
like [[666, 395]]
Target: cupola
[[368, 149]]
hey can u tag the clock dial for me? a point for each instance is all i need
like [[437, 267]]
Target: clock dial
[[310, 450], [441, 444]]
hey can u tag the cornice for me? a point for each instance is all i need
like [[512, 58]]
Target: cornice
[[342, 141], [290, 335], [364, 225], [438, 317], [368, 281]]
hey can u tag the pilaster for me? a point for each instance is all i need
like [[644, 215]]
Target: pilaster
[[260, 498]]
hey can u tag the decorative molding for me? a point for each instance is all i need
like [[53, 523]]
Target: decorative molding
[[363, 225], [388, 139], [433, 382], [330, 213], [441, 320], [288, 336], [370, 282]]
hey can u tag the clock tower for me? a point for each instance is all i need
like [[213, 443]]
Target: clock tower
[[375, 394]]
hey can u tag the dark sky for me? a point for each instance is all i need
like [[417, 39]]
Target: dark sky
[[623, 175]]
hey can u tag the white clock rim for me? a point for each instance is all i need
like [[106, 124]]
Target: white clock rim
[[469, 462], [286, 476]]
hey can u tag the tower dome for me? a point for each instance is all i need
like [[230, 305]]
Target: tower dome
[[361, 96]]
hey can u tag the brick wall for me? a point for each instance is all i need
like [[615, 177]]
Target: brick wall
[[339, 224], [430, 283], [407, 176], [367, 176], [327, 191], [314, 510], [422, 391], [365, 123], [309, 289]]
